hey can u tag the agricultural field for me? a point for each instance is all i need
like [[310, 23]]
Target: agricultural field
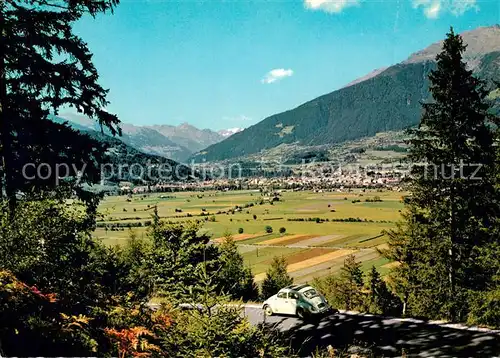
[[321, 227]]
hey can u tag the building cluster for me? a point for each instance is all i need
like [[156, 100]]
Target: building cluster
[[344, 179]]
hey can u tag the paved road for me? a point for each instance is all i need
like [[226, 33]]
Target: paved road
[[387, 337]]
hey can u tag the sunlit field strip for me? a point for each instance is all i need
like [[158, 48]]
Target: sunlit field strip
[[308, 274], [286, 240], [237, 237], [312, 262], [319, 259]]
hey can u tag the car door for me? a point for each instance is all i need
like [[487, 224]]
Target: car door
[[281, 303], [286, 304], [293, 300]]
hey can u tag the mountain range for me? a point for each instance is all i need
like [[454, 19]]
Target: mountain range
[[119, 153], [386, 99], [175, 142]]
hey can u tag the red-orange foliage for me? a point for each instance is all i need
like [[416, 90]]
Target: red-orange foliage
[[131, 342], [13, 287], [162, 320]]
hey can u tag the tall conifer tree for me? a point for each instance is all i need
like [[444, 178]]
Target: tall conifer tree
[[453, 204], [44, 66]]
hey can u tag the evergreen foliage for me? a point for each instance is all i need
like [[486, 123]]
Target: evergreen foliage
[[79, 298], [346, 289], [48, 244], [178, 252], [63, 293], [276, 277], [380, 300], [350, 283], [216, 329], [235, 279], [351, 290], [43, 66], [450, 228], [134, 258]]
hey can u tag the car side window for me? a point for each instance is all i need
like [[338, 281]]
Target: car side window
[[282, 295], [293, 295]]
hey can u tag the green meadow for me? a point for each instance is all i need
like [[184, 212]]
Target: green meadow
[[254, 211]]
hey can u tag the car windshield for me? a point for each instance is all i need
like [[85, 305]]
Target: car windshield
[[310, 293]]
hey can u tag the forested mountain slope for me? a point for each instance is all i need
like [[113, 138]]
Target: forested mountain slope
[[119, 153], [388, 101]]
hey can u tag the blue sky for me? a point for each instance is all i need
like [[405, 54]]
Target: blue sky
[[223, 64]]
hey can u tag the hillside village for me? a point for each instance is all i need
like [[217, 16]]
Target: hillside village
[[344, 181]]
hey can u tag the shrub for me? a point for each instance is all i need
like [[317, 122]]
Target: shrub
[[276, 277], [375, 199], [269, 229], [485, 308], [240, 230], [282, 230]]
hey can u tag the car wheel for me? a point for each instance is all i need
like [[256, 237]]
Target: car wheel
[[268, 310], [300, 313]]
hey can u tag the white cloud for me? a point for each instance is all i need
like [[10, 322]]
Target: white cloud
[[434, 8], [330, 6], [276, 75], [459, 7]]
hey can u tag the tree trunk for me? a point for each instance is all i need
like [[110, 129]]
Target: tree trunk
[[451, 250], [3, 101]]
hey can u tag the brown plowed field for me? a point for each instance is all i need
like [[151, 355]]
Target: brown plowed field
[[286, 240]]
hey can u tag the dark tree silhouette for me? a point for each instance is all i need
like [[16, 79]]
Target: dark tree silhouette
[[44, 66], [450, 230]]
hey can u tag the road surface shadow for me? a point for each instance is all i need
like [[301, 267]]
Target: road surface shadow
[[386, 337]]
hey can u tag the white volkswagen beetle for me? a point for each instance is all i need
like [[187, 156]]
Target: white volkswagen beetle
[[299, 300]]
